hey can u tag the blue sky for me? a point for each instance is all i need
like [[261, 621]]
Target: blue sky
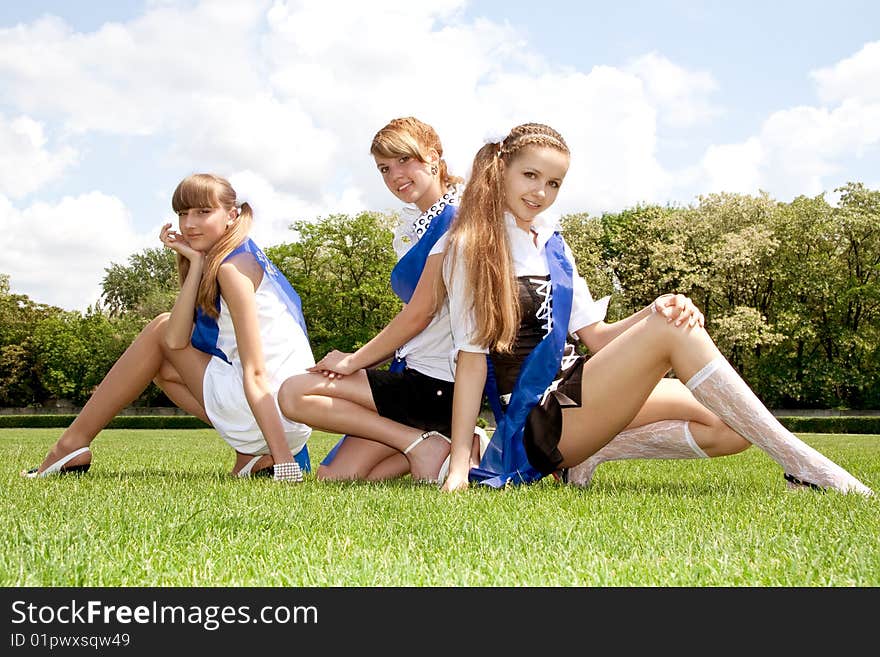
[[107, 105]]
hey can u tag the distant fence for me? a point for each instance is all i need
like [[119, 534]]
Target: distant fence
[[45, 421], [70, 409], [866, 422]]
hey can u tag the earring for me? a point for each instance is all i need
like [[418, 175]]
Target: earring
[[434, 170]]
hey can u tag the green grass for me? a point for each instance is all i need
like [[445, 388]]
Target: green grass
[[159, 509]]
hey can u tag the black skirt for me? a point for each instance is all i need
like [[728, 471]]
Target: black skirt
[[543, 427], [412, 398]]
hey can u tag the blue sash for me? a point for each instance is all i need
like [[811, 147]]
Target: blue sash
[[406, 273], [405, 277], [505, 459], [206, 331]]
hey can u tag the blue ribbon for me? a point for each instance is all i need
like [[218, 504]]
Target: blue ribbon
[[505, 461], [206, 331]]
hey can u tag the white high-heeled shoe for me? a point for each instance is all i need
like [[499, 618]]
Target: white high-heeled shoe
[[58, 466], [441, 476]]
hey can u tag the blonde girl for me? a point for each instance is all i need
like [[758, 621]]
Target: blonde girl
[[234, 334]]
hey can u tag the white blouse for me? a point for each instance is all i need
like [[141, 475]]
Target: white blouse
[[428, 352], [528, 259]]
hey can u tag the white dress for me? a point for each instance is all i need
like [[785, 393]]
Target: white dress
[[286, 351]]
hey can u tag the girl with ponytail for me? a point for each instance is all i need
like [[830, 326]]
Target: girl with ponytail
[[235, 333], [514, 292]]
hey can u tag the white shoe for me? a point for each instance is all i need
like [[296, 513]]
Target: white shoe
[[58, 466], [444, 467]]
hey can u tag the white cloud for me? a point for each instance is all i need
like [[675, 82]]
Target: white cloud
[[799, 150], [854, 77], [137, 78], [25, 163], [57, 253], [354, 70], [277, 138], [274, 210], [734, 168], [288, 96], [604, 116], [681, 95], [805, 144]]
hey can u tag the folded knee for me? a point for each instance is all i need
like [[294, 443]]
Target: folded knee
[[159, 321], [167, 374], [292, 394], [725, 441]]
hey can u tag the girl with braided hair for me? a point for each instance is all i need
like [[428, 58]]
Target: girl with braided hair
[[514, 292]]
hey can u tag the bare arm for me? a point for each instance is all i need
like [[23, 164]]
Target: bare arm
[[470, 378], [238, 279], [674, 307], [409, 322], [180, 325]]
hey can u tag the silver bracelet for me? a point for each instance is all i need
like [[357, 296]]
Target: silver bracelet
[[288, 472]]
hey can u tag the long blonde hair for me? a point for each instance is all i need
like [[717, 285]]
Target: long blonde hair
[[409, 136], [479, 235], [206, 190]]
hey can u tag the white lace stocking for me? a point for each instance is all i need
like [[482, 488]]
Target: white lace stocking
[[667, 439], [720, 389]]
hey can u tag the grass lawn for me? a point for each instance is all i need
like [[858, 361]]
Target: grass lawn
[[159, 509]]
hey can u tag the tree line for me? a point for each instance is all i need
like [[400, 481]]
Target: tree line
[[790, 291]]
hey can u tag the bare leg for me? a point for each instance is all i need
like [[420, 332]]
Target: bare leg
[[361, 458], [671, 424], [671, 400], [393, 467], [346, 406], [618, 380], [126, 380], [171, 383], [242, 460]]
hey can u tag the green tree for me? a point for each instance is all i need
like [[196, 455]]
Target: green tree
[[75, 351], [20, 383], [734, 235], [146, 286], [340, 266]]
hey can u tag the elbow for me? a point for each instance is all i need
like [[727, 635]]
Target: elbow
[[417, 319], [422, 320], [256, 379]]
